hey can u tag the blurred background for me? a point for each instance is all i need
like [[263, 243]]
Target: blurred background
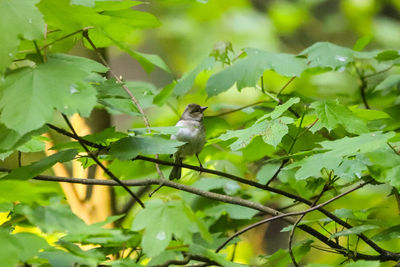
[[190, 30]]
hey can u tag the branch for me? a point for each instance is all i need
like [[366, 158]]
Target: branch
[[363, 87], [260, 186], [223, 198], [290, 150], [126, 89], [286, 85], [187, 259], [174, 262], [378, 72], [283, 215], [59, 39], [105, 169], [291, 236]]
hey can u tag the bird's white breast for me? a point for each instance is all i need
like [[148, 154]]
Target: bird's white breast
[[192, 132]]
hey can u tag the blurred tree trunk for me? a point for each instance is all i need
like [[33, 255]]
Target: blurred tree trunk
[[91, 203]]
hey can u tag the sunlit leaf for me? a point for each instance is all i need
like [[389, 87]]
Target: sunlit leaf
[[39, 90], [271, 132], [354, 230], [246, 72], [332, 113], [388, 234], [185, 83], [18, 19], [160, 220], [36, 168], [130, 147]]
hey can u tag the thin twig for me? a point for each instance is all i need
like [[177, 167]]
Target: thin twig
[[394, 149], [330, 215], [59, 39], [237, 109], [105, 169], [363, 86], [126, 89], [19, 159], [186, 260], [283, 215], [290, 150], [378, 72], [286, 85], [227, 199], [291, 235]]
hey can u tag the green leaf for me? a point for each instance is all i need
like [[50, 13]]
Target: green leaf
[[271, 132], [11, 140], [25, 192], [280, 109], [369, 114], [18, 19], [130, 147], [207, 184], [93, 257], [246, 72], [388, 55], [10, 248], [161, 98], [363, 264], [39, 90], [36, 144], [88, 3], [354, 230], [36, 168], [328, 55], [388, 83], [124, 263], [115, 5], [185, 83], [282, 258], [337, 151], [32, 244], [388, 234], [116, 99], [147, 61], [159, 130], [105, 137], [159, 221], [267, 172], [221, 259], [61, 258], [362, 42], [81, 100], [234, 211], [332, 113]]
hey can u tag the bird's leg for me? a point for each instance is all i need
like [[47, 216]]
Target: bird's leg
[[197, 156]]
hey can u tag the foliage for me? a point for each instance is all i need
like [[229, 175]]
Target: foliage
[[331, 125]]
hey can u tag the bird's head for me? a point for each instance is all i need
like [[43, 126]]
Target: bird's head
[[193, 112]]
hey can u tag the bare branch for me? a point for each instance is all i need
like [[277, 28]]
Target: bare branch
[[264, 187], [98, 162], [291, 236], [283, 215]]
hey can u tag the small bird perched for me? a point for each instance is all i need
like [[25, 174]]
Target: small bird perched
[[192, 132]]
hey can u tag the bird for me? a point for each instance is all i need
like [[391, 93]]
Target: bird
[[192, 132]]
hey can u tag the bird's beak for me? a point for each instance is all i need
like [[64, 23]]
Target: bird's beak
[[203, 108]]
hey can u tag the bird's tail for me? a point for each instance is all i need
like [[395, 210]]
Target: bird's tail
[[176, 170]]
